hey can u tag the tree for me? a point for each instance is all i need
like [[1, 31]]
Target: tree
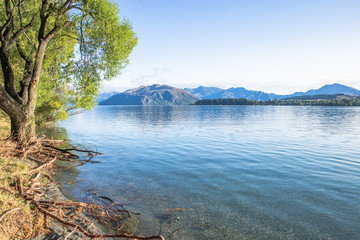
[[54, 55]]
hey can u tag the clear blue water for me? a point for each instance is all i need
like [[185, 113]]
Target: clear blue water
[[248, 172]]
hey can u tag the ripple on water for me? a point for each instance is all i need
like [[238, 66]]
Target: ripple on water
[[249, 172]]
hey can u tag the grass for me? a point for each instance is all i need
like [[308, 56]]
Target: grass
[[24, 222], [4, 125]]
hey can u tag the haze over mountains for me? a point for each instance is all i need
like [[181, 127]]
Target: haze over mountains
[[166, 95]]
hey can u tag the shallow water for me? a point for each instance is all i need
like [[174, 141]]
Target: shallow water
[[248, 172]]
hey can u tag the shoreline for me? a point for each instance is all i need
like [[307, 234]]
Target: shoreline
[[30, 188], [57, 229], [13, 205], [32, 204]]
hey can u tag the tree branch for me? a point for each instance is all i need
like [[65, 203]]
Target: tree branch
[[52, 33], [8, 72], [75, 7], [7, 103], [64, 9], [7, 23], [22, 30], [43, 18], [24, 84], [69, 36], [10, 14], [21, 52]]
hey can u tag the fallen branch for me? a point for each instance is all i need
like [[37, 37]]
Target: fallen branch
[[67, 203], [42, 166], [81, 204], [74, 166], [2, 216], [179, 209], [66, 212], [62, 150], [86, 233], [70, 233], [83, 150], [76, 181]]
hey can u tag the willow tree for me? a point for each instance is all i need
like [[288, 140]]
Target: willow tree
[[57, 52]]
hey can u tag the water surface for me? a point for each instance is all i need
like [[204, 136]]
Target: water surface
[[248, 172]]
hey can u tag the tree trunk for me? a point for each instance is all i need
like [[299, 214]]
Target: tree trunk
[[23, 128]]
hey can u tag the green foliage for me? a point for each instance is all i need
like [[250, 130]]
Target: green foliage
[[92, 44], [350, 101], [55, 97], [102, 50]]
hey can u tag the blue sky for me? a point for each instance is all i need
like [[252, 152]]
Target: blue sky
[[279, 46]]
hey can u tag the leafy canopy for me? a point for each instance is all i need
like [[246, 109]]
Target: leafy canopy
[[91, 45]]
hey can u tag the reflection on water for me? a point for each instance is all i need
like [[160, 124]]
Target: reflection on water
[[51, 131], [248, 172]]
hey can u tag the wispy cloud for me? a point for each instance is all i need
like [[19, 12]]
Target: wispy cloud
[[158, 76]]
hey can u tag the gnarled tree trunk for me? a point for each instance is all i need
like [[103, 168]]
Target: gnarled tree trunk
[[22, 118], [23, 128], [20, 105]]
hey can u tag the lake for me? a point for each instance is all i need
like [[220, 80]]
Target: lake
[[241, 172]]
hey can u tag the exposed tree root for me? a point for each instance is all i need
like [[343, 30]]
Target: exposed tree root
[[73, 182], [45, 165], [66, 212], [91, 234]]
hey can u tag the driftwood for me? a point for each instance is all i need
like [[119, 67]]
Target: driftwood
[[132, 236], [70, 233], [179, 209], [65, 211], [45, 165], [63, 151], [76, 181]]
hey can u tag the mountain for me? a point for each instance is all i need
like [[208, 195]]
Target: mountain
[[241, 92], [105, 95], [340, 96], [203, 92], [328, 89], [165, 95], [152, 95]]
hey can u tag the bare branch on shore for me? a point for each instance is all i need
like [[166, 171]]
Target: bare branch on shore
[[46, 153]]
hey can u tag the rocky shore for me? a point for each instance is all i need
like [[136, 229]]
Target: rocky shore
[[35, 208]]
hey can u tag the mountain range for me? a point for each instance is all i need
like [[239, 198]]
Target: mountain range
[[240, 92], [203, 92], [166, 95], [328, 89], [106, 95], [152, 95]]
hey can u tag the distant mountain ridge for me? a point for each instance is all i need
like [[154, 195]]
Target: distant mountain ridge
[[340, 96], [105, 95], [152, 95], [328, 89], [203, 92], [240, 92], [166, 95]]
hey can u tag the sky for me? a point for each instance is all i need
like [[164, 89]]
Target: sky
[[277, 46]]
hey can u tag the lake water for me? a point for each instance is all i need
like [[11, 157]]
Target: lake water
[[244, 172]]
